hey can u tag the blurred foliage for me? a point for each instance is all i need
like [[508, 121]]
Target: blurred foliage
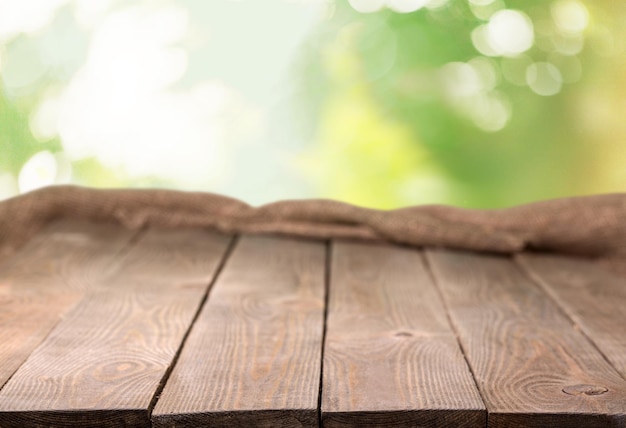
[[387, 134], [391, 109]]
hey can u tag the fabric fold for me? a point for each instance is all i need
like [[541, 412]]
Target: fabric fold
[[592, 226]]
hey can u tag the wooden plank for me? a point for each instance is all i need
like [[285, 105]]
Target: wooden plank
[[592, 296], [529, 361], [103, 364], [253, 356], [391, 357], [46, 278]]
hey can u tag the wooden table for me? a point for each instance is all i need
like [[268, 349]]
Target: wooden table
[[100, 326]]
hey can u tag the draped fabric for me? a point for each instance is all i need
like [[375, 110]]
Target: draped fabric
[[592, 226]]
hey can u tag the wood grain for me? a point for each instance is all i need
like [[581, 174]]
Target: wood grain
[[46, 278], [593, 297], [523, 350], [391, 358], [104, 362], [253, 356]]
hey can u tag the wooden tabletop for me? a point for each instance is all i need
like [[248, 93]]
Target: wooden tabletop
[[101, 326]]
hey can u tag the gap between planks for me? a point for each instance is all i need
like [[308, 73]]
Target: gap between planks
[[548, 272], [168, 372], [541, 285], [453, 327], [391, 358], [253, 354], [327, 278], [134, 277], [514, 334]]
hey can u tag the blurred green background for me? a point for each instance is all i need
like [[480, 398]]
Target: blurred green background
[[381, 103]]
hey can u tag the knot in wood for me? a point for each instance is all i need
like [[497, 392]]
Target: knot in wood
[[584, 390]]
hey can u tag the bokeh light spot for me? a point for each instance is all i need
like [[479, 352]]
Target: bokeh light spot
[[469, 88], [481, 42], [8, 185], [510, 32], [487, 70], [491, 112], [544, 78], [461, 79], [43, 121], [22, 67], [570, 16], [39, 171], [64, 168]]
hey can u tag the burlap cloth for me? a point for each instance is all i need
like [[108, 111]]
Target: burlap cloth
[[592, 226]]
